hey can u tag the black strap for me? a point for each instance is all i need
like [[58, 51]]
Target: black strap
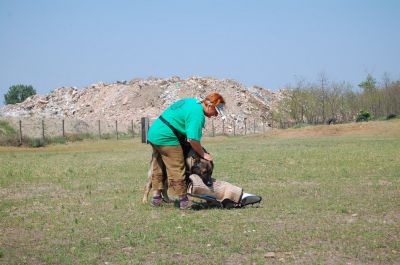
[[178, 134]]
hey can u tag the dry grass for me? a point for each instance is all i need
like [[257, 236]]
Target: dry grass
[[389, 128], [331, 196]]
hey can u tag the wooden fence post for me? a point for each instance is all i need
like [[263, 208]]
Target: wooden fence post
[[116, 128], [234, 128], [43, 130], [99, 130], [20, 132], [133, 132], [145, 129], [213, 128], [63, 129], [245, 126]]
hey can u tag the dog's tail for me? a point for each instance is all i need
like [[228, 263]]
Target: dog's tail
[[148, 186], [150, 172]]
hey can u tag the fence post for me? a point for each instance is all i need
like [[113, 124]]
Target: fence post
[[213, 128], [116, 128], [234, 128], [43, 130], [133, 132], [63, 129], [245, 126], [99, 130], [223, 127], [20, 132], [145, 129]]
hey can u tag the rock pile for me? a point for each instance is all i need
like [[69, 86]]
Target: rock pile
[[126, 101]]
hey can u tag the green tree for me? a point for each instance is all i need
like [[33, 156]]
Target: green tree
[[370, 97], [18, 93], [369, 84]]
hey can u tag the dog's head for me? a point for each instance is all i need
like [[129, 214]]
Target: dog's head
[[201, 167]]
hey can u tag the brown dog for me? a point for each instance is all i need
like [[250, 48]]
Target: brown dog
[[194, 165], [201, 167], [148, 186]]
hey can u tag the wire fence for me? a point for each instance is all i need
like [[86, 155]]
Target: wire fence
[[117, 129]]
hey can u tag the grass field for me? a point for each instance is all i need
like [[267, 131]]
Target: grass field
[[331, 195]]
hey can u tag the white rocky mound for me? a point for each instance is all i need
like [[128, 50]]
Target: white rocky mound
[[126, 101]]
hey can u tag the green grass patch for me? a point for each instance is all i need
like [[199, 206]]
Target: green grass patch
[[6, 129], [326, 200], [8, 135]]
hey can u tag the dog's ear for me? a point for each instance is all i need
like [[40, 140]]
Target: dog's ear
[[211, 166], [197, 159]]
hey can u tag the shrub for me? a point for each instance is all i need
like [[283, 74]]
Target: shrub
[[391, 116], [363, 116], [37, 142], [6, 129], [8, 136]]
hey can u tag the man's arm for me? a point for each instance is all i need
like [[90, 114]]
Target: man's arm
[[196, 145]]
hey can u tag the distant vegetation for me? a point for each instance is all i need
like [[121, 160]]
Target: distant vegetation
[[326, 102], [18, 93], [10, 137]]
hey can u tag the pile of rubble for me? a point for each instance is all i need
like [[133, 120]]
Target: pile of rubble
[[127, 101]]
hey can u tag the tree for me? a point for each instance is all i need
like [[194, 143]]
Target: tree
[[370, 94], [18, 93], [323, 79], [369, 84]]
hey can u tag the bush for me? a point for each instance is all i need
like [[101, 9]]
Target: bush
[[8, 136], [37, 142], [391, 116], [363, 116], [6, 129]]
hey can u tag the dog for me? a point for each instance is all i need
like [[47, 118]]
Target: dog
[[199, 166], [148, 186], [194, 165]]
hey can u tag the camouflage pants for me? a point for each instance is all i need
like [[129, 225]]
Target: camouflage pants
[[169, 159]]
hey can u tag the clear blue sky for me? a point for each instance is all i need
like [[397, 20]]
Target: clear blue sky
[[55, 43]]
